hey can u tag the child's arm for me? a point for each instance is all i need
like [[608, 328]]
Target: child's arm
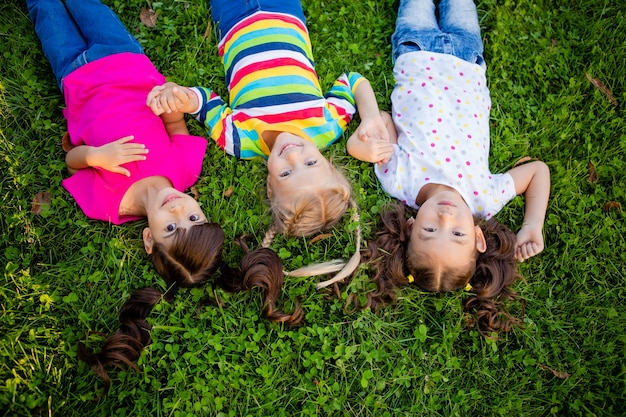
[[109, 157], [532, 180], [371, 149], [371, 140], [175, 123], [171, 98]]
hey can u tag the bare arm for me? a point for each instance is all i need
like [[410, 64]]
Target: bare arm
[[371, 140], [175, 123], [532, 180]]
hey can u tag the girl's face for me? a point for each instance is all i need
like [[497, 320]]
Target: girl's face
[[296, 166], [170, 211], [444, 230]]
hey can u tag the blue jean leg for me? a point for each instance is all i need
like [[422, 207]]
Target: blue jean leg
[[78, 32], [60, 38], [459, 18], [457, 33], [227, 13]]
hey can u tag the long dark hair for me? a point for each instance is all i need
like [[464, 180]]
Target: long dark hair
[[494, 273], [192, 259]]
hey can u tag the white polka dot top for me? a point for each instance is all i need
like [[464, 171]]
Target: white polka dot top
[[440, 106]]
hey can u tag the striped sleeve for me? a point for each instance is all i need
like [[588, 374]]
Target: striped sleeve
[[215, 115], [340, 97]]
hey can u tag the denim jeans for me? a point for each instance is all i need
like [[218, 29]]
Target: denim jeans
[[457, 32], [227, 13], [77, 32]]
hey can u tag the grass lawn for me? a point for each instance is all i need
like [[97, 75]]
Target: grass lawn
[[64, 276]]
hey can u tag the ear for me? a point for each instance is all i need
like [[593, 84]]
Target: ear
[[148, 242], [268, 188], [409, 222], [481, 243]]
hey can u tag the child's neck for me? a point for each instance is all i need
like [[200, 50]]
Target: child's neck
[[141, 194], [430, 190], [269, 137]]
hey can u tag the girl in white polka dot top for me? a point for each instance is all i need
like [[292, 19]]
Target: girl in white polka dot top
[[437, 162]]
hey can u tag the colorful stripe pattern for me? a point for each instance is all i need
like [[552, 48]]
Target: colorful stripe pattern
[[273, 85]]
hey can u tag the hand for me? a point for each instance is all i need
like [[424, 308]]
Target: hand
[[112, 155], [369, 149], [529, 242], [370, 142], [170, 97]]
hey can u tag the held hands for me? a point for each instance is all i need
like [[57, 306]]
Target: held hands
[[171, 98], [112, 155], [371, 142], [529, 242]]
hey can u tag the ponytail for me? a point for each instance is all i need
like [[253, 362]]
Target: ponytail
[[191, 260], [386, 255], [496, 270]]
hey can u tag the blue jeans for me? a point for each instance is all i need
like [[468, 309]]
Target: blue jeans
[[227, 13], [77, 32], [457, 33]]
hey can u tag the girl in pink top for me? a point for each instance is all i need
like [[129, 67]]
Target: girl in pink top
[[126, 164]]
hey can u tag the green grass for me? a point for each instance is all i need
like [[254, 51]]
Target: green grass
[[65, 275]]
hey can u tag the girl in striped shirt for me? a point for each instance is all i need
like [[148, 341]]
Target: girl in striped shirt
[[276, 110]]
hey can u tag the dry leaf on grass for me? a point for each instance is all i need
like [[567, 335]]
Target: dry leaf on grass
[[66, 143], [194, 191], [612, 205], [600, 86], [558, 374], [41, 200], [591, 169], [228, 192], [207, 32], [320, 237], [523, 160], [148, 17]]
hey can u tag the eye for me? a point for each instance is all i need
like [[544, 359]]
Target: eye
[[170, 227], [429, 229], [458, 233], [285, 173], [310, 163], [194, 218]]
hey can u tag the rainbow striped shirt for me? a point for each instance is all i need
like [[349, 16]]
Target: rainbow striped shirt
[[273, 85]]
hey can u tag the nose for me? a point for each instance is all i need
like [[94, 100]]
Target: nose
[[176, 208], [292, 155], [445, 215]]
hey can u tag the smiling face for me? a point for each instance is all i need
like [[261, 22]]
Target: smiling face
[[295, 167], [444, 232], [170, 211]]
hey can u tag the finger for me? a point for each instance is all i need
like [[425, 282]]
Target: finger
[[165, 103], [155, 106], [125, 139], [133, 158], [135, 151], [156, 90], [121, 170]]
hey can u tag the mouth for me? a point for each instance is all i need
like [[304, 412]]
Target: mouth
[[287, 147], [446, 203], [170, 197]]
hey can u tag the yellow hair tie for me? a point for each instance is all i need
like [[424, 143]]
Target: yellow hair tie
[[410, 278], [468, 287]]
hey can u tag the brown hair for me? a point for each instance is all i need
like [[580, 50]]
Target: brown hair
[[191, 260], [490, 276]]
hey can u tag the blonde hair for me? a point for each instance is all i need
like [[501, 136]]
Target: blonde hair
[[312, 213], [308, 214]]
